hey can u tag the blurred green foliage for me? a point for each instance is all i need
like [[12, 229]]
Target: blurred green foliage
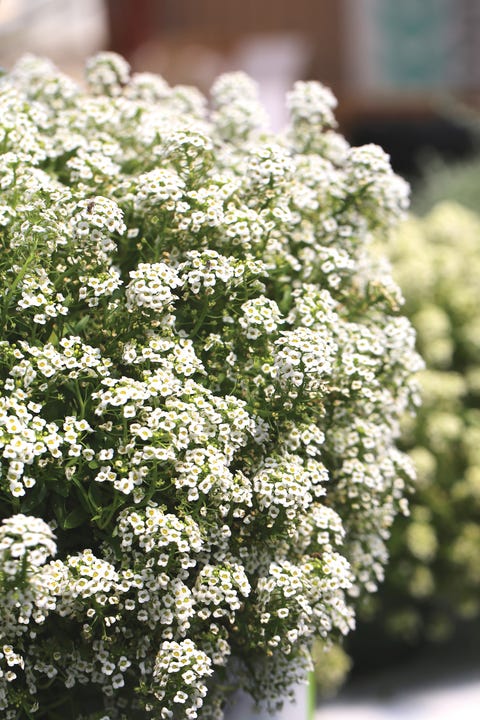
[[332, 664], [434, 573], [448, 181], [433, 578]]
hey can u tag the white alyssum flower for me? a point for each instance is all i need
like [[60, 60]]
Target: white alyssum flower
[[202, 375]]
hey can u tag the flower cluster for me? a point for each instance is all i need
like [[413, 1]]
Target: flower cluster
[[202, 373], [434, 579]]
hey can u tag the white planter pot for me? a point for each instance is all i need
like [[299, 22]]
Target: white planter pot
[[242, 707]]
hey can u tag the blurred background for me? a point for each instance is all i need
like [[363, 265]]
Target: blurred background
[[407, 76], [396, 67]]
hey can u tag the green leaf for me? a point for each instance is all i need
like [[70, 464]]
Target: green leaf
[[286, 302], [82, 323], [58, 504], [61, 489], [97, 496], [34, 497], [75, 518]]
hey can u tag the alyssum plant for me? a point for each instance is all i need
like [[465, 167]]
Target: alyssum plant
[[202, 375], [435, 579]]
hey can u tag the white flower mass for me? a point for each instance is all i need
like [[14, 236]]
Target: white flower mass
[[202, 374]]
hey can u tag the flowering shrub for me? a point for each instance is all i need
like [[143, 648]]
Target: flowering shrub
[[203, 371], [434, 578]]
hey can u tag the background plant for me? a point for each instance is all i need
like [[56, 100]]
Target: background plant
[[433, 580], [448, 181], [203, 369], [457, 180]]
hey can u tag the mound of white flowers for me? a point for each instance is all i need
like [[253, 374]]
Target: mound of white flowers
[[202, 374]]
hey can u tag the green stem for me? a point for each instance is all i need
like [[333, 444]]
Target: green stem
[[105, 523], [27, 713], [78, 483], [16, 283], [311, 698], [80, 400], [200, 320]]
